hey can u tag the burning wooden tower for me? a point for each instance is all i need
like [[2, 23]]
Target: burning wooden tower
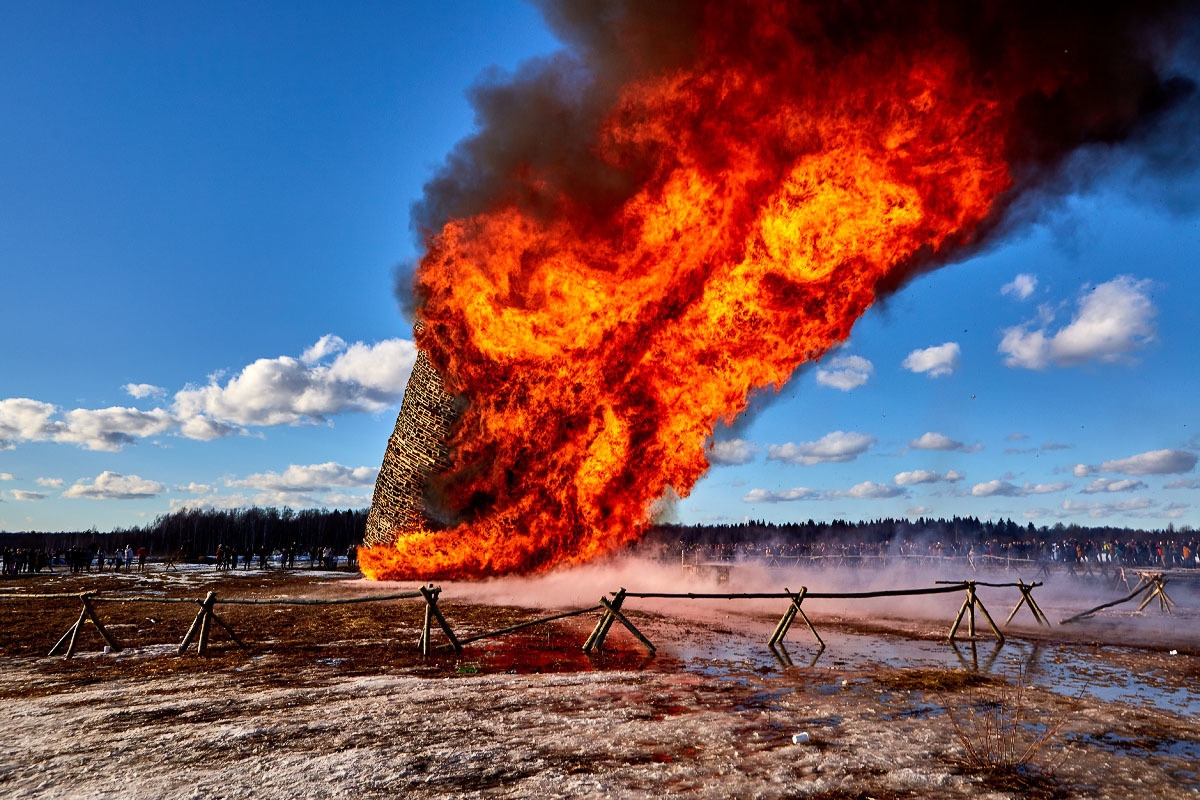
[[417, 450]]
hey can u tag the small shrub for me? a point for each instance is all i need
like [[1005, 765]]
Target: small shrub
[[1005, 736]]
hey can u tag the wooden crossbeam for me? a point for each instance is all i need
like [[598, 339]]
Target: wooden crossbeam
[[785, 623], [202, 625], [71, 637], [1156, 584], [612, 613], [969, 605], [432, 612], [1027, 600]]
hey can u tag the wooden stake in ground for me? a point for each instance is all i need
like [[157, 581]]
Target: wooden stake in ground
[[1156, 583], [1150, 582], [202, 623], [968, 608], [430, 593], [72, 634], [789, 616], [1027, 599], [612, 613]]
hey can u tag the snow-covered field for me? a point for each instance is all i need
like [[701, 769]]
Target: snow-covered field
[[888, 705]]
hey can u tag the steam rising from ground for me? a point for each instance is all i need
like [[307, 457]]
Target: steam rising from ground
[[1061, 595]]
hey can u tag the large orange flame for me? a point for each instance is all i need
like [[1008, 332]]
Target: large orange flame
[[776, 193]]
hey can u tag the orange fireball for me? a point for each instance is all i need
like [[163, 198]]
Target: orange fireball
[[768, 187]]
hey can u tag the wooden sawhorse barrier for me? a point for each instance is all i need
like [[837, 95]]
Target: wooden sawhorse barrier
[[612, 613], [1153, 584], [789, 616], [1027, 600], [201, 625], [71, 637]]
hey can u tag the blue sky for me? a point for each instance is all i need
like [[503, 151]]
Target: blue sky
[[201, 212]]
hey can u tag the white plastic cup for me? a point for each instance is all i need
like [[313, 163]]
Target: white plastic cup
[[799, 738]]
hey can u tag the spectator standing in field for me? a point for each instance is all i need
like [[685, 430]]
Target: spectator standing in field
[[141, 554], [128, 558]]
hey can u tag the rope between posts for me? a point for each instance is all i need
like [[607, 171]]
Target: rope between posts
[[270, 601], [957, 587]]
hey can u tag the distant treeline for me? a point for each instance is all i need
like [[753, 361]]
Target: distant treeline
[[957, 530], [197, 532]]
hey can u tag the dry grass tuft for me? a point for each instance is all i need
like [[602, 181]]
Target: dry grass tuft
[[1005, 740]]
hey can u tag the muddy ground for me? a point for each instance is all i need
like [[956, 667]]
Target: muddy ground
[[336, 700]]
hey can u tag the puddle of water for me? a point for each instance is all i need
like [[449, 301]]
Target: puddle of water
[[1066, 668]]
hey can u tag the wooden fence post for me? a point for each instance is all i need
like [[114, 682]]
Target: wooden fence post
[[430, 593], [202, 624], [72, 634], [968, 608], [606, 620], [612, 613], [1156, 582], [789, 616], [1027, 599]]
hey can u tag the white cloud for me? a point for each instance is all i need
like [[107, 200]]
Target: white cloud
[[838, 446], [195, 488], [916, 476], [311, 478], [327, 345], [114, 486], [869, 490], [1016, 437], [1155, 462], [1183, 483], [918, 511], [381, 369], [205, 429], [288, 391], [846, 373], [1000, 488], [25, 420], [278, 391], [1114, 319], [731, 452], [338, 500], [143, 390], [6, 476], [786, 496], [112, 428], [1101, 510], [1045, 488], [1082, 470], [1022, 286], [1110, 485], [215, 501], [28, 497], [935, 361], [50, 483], [937, 441]]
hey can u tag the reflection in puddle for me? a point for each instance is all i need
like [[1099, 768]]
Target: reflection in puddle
[[1066, 668]]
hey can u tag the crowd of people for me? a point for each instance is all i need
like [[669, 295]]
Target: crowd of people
[[33, 560], [1151, 553], [229, 557], [1177, 553], [16, 560]]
